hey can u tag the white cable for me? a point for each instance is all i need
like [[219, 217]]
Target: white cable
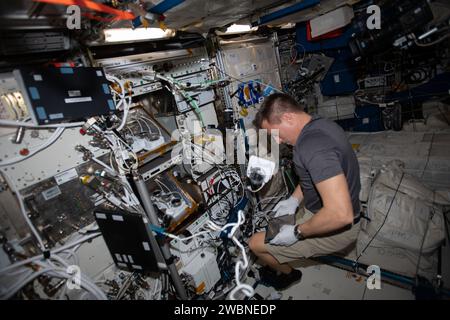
[[126, 110], [72, 253], [245, 288], [108, 169], [126, 101], [23, 211], [116, 147], [204, 152], [54, 271], [43, 146], [12, 123], [172, 236], [50, 268], [189, 100], [154, 124], [112, 78], [17, 286], [235, 175], [430, 43], [155, 289], [88, 282], [52, 252], [259, 189]]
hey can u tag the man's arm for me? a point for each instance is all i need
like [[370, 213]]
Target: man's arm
[[298, 194], [337, 210]]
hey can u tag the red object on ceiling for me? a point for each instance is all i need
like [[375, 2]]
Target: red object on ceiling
[[329, 35]]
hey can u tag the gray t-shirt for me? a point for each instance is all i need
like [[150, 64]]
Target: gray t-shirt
[[322, 151]]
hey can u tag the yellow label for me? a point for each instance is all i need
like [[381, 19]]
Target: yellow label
[[200, 288]]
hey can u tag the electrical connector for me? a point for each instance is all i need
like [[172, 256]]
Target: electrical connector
[[89, 123]]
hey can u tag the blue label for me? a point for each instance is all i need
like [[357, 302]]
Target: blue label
[[66, 70], [105, 88], [111, 105], [56, 116], [41, 113], [34, 93]]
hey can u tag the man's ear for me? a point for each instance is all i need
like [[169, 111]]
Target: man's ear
[[287, 117]]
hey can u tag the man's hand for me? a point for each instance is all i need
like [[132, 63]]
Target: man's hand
[[285, 237], [286, 207]]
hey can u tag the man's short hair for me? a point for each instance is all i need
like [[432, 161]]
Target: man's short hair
[[274, 106]]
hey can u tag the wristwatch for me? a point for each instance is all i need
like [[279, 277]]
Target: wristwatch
[[298, 234]]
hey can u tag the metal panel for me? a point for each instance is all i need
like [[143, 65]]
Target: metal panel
[[251, 61], [202, 15], [57, 158]]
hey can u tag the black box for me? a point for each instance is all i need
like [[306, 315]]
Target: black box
[[128, 240], [55, 95]]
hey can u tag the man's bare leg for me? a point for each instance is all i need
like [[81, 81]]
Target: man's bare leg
[[258, 247]]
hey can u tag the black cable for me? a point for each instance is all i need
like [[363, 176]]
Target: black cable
[[443, 115], [384, 221], [428, 159], [364, 293], [446, 221], [430, 216]]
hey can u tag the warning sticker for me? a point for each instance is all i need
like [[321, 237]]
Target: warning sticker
[[51, 193], [76, 100], [66, 176]]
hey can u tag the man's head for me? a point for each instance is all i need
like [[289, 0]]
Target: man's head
[[281, 112]]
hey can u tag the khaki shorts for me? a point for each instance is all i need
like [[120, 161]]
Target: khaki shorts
[[338, 243]]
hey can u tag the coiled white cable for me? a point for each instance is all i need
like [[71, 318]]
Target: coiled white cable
[[240, 265]]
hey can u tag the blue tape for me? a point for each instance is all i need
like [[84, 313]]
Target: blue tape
[[254, 94], [158, 230], [164, 6], [136, 22], [41, 113], [34, 93], [286, 11], [105, 88], [111, 105], [268, 91], [66, 70]]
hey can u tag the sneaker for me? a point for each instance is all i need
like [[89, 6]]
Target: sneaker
[[267, 276], [281, 281], [286, 280]]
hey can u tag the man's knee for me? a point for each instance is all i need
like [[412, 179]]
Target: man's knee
[[256, 242]]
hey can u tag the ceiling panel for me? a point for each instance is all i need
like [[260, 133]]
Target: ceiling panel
[[190, 15]]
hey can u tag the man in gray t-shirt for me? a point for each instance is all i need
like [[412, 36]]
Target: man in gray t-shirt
[[322, 151], [329, 187]]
